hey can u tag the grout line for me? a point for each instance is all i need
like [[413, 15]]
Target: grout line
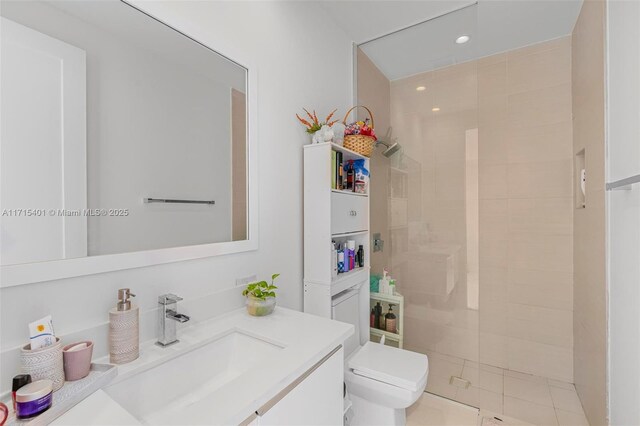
[[555, 411], [503, 390]]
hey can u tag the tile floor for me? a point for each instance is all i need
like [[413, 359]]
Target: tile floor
[[532, 399], [432, 410]]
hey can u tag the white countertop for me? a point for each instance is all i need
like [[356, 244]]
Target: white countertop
[[97, 409], [305, 339]]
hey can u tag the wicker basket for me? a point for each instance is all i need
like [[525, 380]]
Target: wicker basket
[[362, 144]]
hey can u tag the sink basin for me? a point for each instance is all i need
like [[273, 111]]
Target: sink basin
[[152, 394]]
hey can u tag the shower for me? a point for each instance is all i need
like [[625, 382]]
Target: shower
[[391, 149]]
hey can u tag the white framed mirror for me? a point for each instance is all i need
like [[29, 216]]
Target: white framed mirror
[[124, 143]]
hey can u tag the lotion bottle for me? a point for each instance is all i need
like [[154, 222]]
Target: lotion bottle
[[384, 282], [124, 329]]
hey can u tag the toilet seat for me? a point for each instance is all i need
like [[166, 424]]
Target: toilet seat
[[397, 367]]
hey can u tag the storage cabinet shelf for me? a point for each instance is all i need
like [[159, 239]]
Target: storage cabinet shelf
[[348, 275], [333, 215], [348, 154], [350, 234], [343, 191], [387, 334]]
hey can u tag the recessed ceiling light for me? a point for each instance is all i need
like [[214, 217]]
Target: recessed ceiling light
[[435, 109], [421, 88], [463, 39]]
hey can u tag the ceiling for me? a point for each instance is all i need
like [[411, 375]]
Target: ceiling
[[380, 28]]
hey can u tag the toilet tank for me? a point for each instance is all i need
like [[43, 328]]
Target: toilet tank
[[345, 307]]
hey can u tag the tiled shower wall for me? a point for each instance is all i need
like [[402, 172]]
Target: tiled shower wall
[[590, 291], [521, 103], [526, 210]]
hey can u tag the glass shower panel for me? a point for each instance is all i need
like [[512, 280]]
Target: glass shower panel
[[432, 194], [433, 221]]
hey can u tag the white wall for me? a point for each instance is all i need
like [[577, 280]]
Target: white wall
[[302, 60], [623, 215]]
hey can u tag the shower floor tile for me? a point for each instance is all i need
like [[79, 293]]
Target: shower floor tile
[[520, 398], [433, 410]]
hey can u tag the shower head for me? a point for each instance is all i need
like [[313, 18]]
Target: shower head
[[391, 149]]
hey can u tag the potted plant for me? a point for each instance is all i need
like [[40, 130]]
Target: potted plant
[[261, 297], [320, 132]]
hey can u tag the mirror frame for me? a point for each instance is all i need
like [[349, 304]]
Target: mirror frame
[[28, 273]]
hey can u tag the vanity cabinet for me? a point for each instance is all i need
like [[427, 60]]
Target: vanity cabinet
[[315, 398]]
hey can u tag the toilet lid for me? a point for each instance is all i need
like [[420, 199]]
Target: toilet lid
[[390, 365]]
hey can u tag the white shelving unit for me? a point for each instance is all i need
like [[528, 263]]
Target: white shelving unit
[[397, 300], [332, 215]]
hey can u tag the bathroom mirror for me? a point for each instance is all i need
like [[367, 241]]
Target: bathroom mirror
[[125, 142]]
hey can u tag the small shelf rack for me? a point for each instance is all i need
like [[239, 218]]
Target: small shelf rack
[[397, 300]]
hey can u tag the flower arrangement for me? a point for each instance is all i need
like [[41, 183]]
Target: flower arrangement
[[360, 128], [314, 125]]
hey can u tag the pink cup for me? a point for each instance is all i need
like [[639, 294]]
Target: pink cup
[[77, 364]]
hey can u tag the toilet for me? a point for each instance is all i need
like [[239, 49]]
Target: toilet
[[381, 381]]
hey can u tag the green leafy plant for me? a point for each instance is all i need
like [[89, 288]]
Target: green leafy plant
[[261, 289]]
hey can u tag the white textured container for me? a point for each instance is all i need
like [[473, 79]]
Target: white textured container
[[44, 363], [124, 335]]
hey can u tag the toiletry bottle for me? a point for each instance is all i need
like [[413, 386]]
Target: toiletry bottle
[[345, 257], [384, 283], [378, 311], [18, 381], [360, 256], [334, 260], [124, 329], [351, 246], [392, 287], [372, 318], [390, 320], [350, 175], [340, 259]]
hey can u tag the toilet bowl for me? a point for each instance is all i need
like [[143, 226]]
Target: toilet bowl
[[382, 382]]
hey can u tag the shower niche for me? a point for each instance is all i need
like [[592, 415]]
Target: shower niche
[[580, 179]]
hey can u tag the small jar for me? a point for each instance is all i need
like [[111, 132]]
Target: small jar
[[34, 399]]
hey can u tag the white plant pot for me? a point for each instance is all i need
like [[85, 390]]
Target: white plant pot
[[260, 308]]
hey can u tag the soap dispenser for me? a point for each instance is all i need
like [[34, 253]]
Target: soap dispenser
[[390, 320], [124, 329]]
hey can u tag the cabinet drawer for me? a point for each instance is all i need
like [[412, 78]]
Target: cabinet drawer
[[349, 213]]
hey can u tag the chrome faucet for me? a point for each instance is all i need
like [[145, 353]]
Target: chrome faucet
[[169, 315]]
